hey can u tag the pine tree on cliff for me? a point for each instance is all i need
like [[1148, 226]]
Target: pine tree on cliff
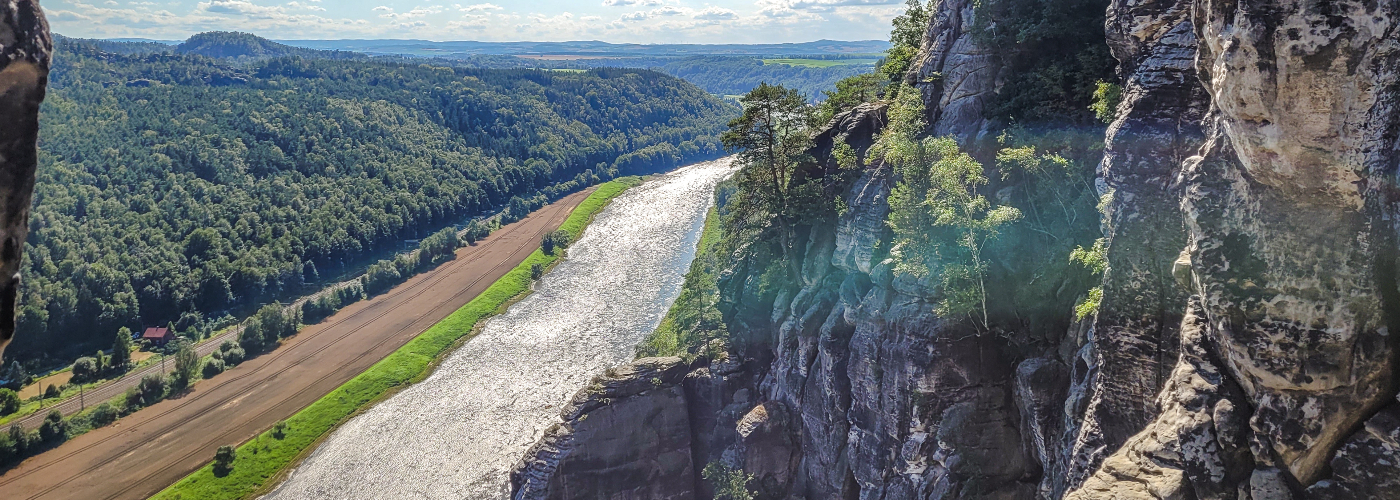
[[770, 138]]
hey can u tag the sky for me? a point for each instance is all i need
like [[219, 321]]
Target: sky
[[618, 21]]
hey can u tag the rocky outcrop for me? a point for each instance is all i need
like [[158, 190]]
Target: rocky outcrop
[[1242, 348], [954, 72], [636, 425], [25, 49], [1133, 344]]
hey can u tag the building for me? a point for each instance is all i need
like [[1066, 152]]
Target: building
[[158, 336]]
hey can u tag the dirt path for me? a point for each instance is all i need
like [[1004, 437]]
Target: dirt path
[[149, 450]]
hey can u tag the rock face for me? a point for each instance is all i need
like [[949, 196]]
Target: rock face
[[1242, 349], [25, 48]]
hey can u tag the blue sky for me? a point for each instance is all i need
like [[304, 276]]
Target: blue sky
[[638, 21]]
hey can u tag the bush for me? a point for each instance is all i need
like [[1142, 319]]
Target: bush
[[186, 364], [52, 392], [19, 439], [213, 367], [152, 388], [234, 356], [54, 428], [279, 431], [84, 370], [223, 460], [132, 401], [536, 270], [556, 239], [104, 414], [9, 402]]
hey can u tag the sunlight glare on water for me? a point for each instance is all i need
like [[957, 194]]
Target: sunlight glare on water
[[456, 434]]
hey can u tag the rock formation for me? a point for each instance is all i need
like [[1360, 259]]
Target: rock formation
[[25, 48], [1242, 348]]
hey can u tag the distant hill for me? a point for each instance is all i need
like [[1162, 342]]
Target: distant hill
[[593, 48], [230, 44]]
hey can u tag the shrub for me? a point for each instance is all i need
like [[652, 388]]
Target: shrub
[[104, 414], [553, 240], [223, 460], [54, 427], [234, 356], [729, 484], [9, 402], [132, 401], [279, 431], [52, 392], [152, 388], [19, 439], [213, 367], [84, 370], [536, 270]]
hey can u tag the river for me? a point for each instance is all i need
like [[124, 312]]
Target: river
[[456, 434]]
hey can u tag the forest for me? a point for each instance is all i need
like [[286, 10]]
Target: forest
[[178, 189]]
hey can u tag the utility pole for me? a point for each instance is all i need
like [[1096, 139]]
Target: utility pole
[[82, 403]]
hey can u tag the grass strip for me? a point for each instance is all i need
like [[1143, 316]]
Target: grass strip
[[265, 456]]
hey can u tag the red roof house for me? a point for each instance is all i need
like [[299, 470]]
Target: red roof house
[[158, 335]]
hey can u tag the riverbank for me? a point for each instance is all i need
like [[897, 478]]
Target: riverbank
[[261, 459], [458, 432]]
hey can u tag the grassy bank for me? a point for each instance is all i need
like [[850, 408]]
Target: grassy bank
[[266, 455], [693, 319]]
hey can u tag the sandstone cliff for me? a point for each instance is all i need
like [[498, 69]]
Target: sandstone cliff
[[1241, 349], [25, 48]]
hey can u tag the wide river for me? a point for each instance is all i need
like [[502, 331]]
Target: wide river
[[456, 434]]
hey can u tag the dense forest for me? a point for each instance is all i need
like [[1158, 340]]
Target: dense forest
[[180, 188]]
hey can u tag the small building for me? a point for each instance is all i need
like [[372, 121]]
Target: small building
[[158, 336]]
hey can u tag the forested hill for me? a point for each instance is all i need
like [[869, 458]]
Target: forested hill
[[177, 188], [236, 44]]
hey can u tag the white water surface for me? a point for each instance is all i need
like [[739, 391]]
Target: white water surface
[[457, 434]]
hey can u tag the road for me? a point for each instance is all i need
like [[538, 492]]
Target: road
[[152, 448]]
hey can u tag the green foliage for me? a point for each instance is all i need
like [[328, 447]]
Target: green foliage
[[246, 45], [54, 428], [693, 320], [729, 484], [104, 414], [1094, 259], [212, 367], [405, 365], [264, 329], [314, 311], [9, 402], [151, 389], [1089, 306], [186, 365], [1105, 101], [849, 93], [1052, 51], [439, 246], [558, 239], [223, 460], [173, 185], [905, 39], [85, 370], [52, 391], [536, 271], [940, 221]]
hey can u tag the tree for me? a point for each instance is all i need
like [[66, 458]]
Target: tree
[[554, 240], [186, 364], [54, 428], [939, 219], [769, 140], [121, 350], [905, 40], [223, 460], [9, 402], [52, 391], [151, 389], [104, 414], [84, 370], [213, 367], [536, 271]]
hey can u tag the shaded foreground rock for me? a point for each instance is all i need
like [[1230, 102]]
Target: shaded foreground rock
[[1243, 346], [25, 51]]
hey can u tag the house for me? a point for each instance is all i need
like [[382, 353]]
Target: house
[[158, 336]]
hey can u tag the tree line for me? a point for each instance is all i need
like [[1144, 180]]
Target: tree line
[[183, 189]]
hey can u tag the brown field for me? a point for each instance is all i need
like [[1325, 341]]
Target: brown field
[[151, 449]]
